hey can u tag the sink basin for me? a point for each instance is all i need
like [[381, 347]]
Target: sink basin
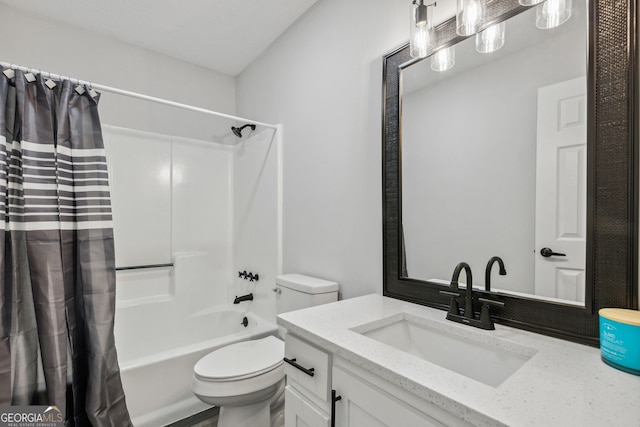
[[476, 355]]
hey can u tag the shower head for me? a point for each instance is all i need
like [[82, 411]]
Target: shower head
[[238, 131]]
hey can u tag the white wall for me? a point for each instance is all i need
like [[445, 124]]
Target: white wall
[[51, 46], [323, 81]]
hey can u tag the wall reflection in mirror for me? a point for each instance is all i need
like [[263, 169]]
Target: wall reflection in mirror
[[493, 153]]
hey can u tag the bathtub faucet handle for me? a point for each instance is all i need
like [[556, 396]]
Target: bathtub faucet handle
[[253, 277]]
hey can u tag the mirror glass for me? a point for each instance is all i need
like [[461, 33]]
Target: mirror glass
[[493, 161]]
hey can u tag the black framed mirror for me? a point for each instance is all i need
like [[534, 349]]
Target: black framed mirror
[[611, 181]]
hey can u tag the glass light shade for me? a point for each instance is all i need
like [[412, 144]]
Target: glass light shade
[[529, 2], [470, 17], [490, 39], [444, 59], [553, 13], [421, 36]]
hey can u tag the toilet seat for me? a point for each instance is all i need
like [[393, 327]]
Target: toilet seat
[[242, 360]]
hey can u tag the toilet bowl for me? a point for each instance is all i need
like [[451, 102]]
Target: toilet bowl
[[246, 379]]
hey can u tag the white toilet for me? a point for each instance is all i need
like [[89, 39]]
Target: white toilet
[[246, 379]]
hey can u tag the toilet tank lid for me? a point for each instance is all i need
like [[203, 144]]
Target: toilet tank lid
[[307, 284]]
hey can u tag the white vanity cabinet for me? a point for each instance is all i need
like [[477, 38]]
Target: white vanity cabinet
[[363, 399]]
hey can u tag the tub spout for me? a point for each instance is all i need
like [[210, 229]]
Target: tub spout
[[238, 300]]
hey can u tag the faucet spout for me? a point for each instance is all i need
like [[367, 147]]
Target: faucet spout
[[468, 308], [238, 300], [487, 271]]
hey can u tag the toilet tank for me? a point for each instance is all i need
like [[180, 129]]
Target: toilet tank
[[296, 291]]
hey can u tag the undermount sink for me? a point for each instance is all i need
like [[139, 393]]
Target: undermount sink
[[481, 357]]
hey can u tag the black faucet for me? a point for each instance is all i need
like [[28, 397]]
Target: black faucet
[[468, 307], [487, 271], [238, 300], [469, 318]]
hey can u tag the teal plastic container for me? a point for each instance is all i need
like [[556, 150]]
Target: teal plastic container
[[620, 339]]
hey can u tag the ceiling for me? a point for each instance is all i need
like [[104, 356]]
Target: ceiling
[[222, 35]]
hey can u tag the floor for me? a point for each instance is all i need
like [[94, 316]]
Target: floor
[[209, 418], [211, 422]]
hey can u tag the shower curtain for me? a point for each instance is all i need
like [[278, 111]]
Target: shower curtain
[[57, 298]]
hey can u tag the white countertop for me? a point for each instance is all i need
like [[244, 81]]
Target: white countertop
[[563, 384]]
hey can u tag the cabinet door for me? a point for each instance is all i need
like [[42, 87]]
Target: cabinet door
[[300, 412], [364, 405]]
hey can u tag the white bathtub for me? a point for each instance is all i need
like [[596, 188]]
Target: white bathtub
[[157, 372]]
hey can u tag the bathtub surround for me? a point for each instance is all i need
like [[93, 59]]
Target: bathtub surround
[[58, 261], [210, 210]]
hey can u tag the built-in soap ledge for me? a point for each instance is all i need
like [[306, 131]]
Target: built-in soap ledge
[[136, 287]]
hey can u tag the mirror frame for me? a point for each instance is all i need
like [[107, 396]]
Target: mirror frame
[[612, 182]]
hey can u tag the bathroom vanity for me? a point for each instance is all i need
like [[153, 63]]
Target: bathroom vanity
[[375, 360]]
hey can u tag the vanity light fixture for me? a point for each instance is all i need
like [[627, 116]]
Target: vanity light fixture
[[444, 59], [490, 39], [553, 13], [470, 16], [421, 42]]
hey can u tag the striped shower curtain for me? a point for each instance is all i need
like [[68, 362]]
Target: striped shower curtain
[[57, 267]]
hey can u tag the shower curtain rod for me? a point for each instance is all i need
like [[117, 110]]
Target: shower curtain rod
[[123, 92]]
